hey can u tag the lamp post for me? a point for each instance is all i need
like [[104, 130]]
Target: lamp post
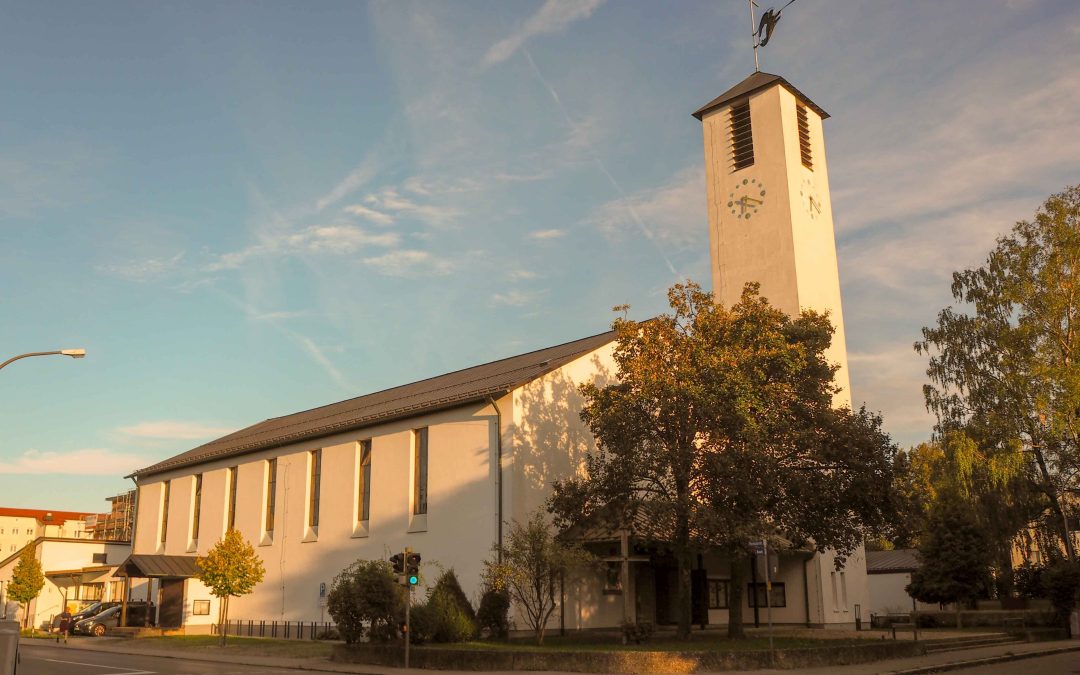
[[73, 353]]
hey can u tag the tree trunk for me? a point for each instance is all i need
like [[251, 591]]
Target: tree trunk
[[735, 597], [685, 601], [223, 612]]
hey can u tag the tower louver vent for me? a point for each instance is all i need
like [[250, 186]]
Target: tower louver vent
[[742, 140], [804, 138]]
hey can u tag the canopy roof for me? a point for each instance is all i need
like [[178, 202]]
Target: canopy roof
[[158, 566]]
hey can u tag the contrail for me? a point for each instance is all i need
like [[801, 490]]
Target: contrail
[[599, 162]]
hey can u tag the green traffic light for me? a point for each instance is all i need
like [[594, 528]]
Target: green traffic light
[[413, 580]]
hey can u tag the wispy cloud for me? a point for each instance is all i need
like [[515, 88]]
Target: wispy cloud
[[514, 298], [552, 17], [672, 215], [542, 235], [408, 263], [520, 275], [894, 374], [83, 462], [142, 270], [377, 217], [319, 355], [356, 179], [173, 429], [324, 239]]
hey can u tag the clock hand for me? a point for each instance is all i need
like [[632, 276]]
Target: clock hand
[[754, 200]]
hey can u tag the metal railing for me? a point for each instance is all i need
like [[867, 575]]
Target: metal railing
[[281, 630]]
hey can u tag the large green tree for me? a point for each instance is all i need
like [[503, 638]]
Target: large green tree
[[27, 580], [994, 486], [1003, 366], [721, 429], [230, 569], [953, 553]]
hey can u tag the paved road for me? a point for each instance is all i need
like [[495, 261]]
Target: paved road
[[1060, 664], [67, 660]]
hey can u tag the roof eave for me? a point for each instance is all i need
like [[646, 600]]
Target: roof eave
[[322, 432], [781, 82]]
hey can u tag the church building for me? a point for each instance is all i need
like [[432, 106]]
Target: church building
[[442, 464]]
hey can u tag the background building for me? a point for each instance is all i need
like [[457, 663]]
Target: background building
[[19, 527]]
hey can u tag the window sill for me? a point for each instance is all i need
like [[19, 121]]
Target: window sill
[[267, 539], [311, 534], [361, 529], [193, 546], [418, 522]]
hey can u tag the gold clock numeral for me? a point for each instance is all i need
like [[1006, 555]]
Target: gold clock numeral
[[815, 204]]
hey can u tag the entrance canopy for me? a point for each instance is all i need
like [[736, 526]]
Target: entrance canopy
[[158, 567]]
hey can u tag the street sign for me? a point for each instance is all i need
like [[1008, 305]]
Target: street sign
[[322, 594], [758, 547]]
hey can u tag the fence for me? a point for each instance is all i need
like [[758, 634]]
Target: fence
[[282, 630]]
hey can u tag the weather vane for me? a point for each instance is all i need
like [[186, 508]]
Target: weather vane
[[762, 31]]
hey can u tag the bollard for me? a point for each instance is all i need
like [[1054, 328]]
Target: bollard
[[9, 647]]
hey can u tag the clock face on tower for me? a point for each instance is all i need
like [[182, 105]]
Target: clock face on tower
[[746, 198], [811, 203]]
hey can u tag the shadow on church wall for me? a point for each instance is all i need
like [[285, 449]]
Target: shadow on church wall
[[550, 441]]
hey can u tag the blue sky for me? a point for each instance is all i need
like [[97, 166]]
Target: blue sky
[[242, 210]]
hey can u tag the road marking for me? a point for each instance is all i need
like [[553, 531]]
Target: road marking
[[127, 671]]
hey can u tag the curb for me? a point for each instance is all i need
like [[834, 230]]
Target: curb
[[986, 661], [328, 667], [305, 664]]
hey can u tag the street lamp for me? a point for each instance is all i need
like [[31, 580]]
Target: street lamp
[[73, 353]]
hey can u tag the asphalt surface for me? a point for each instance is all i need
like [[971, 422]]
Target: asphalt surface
[[1059, 664], [52, 659]]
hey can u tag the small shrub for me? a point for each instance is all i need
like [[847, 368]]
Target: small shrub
[[422, 624], [329, 634], [494, 614], [447, 584], [451, 615], [1028, 580], [364, 599], [1062, 582], [636, 632]]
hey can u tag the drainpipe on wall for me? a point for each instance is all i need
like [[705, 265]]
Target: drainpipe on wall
[[498, 476], [127, 577]]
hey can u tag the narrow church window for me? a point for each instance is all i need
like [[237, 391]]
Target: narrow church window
[[420, 471], [363, 502], [804, 137], [232, 498], [165, 512], [314, 486], [197, 508], [742, 138], [271, 494]]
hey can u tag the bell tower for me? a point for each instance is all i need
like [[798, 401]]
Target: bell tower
[[770, 214]]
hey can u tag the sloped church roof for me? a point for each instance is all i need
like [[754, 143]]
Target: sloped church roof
[[437, 393], [752, 84]]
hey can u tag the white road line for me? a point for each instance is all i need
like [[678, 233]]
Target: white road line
[[95, 665]]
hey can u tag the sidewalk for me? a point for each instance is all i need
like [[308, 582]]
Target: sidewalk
[[930, 663]]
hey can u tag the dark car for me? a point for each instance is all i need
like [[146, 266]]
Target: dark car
[[92, 610], [103, 622]]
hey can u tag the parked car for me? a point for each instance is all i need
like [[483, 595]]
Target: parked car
[[92, 610], [103, 622]]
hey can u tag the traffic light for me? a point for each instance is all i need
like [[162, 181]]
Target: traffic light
[[412, 568], [398, 561]]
